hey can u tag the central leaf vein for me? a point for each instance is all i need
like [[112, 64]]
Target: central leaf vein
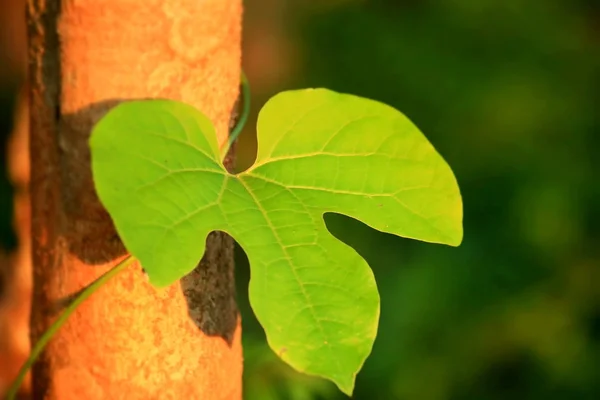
[[290, 260]]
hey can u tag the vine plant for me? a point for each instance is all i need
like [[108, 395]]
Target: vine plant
[[158, 170]]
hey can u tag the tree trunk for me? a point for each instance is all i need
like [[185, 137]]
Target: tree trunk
[[129, 340]]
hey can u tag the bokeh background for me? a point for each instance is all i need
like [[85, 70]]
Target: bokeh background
[[508, 92]]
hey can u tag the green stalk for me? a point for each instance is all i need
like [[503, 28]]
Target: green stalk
[[237, 129], [60, 321]]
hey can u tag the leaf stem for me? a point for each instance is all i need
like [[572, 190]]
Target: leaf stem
[[237, 129], [62, 318]]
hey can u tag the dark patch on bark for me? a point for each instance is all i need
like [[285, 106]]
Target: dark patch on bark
[[89, 229], [210, 289], [44, 90]]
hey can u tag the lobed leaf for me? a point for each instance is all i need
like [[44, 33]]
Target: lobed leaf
[[157, 170]]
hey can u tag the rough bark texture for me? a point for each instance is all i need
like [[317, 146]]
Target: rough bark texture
[[129, 340]]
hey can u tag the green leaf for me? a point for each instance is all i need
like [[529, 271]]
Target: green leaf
[[157, 170]]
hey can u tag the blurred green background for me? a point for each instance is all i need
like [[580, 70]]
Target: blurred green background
[[509, 93]]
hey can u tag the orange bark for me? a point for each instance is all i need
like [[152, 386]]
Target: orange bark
[[129, 340]]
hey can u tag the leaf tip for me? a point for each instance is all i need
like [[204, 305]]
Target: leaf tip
[[346, 385], [457, 239], [157, 281]]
